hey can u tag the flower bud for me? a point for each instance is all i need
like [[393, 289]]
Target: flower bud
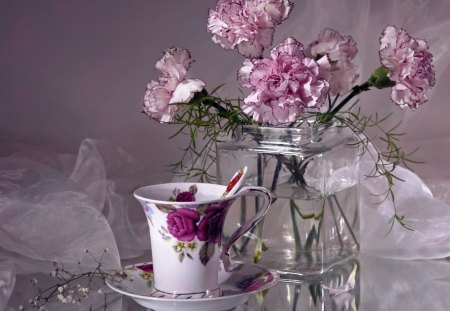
[[379, 78]]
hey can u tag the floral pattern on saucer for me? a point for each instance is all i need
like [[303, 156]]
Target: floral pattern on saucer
[[235, 290]]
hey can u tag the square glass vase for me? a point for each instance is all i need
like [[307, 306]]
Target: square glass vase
[[312, 172]]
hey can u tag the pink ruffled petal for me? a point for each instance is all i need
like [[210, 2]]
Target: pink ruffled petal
[[171, 87], [289, 46], [283, 85], [186, 90], [246, 26], [174, 63], [410, 66], [339, 51]]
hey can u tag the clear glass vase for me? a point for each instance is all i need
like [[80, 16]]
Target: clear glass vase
[[312, 172]]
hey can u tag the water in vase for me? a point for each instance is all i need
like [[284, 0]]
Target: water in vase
[[313, 223]]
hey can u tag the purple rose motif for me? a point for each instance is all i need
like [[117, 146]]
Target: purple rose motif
[[210, 227], [410, 66], [185, 196], [182, 223]]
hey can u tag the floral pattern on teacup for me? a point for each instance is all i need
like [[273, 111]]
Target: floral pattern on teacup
[[184, 196], [149, 212], [210, 226], [184, 249], [186, 223], [182, 223], [164, 234]]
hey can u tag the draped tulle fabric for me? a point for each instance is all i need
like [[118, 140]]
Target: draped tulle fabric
[[55, 205], [58, 206]]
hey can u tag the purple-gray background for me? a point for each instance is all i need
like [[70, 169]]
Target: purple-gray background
[[76, 69]]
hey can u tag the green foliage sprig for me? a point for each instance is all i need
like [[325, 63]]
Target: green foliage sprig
[[211, 119]]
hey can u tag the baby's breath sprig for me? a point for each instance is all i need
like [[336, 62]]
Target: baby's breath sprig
[[69, 287]]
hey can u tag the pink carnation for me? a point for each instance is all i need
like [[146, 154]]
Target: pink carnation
[[340, 51], [171, 87], [410, 66], [283, 85], [247, 26]]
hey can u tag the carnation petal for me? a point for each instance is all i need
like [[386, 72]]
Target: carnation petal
[[174, 63], [246, 26], [156, 102], [339, 50], [250, 49], [289, 46], [244, 73], [409, 66], [283, 85], [185, 90]]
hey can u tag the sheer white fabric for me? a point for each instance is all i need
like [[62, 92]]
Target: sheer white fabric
[[49, 214]]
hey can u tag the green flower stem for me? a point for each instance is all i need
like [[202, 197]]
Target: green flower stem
[[259, 248], [346, 220], [297, 238], [276, 175], [259, 227], [330, 202], [358, 89]]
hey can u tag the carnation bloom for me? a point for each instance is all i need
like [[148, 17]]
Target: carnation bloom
[[171, 87], [410, 66], [340, 51], [247, 26], [283, 85]]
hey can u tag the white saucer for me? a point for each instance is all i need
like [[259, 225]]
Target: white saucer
[[137, 283]]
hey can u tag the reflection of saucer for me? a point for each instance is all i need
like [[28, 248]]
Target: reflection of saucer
[[137, 282]]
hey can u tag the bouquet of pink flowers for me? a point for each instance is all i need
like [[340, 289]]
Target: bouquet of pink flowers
[[293, 83]]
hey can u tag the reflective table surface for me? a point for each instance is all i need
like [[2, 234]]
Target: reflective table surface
[[380, 284]]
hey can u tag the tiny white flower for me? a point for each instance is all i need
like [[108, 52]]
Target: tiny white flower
[[21, 308], [100, 291], [60, 289], [61, 298]]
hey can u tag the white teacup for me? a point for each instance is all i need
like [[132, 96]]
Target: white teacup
[[185, 234]]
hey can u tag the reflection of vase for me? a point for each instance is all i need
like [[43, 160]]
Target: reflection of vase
[[312, 172]]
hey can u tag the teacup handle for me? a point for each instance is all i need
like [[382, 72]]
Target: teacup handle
[[248, 225]]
